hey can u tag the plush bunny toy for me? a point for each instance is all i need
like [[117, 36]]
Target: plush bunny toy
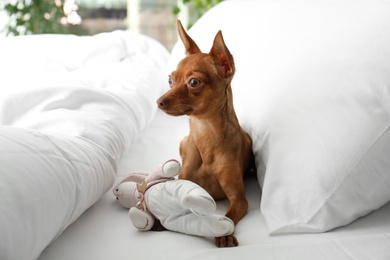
[[179, 205]]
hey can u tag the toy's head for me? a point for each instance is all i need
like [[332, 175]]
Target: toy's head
[[126, 191]]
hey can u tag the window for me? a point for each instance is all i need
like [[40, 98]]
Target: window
[[154, 18]]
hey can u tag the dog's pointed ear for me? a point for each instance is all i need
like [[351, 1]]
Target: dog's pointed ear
[[222, 56], [189, 44]]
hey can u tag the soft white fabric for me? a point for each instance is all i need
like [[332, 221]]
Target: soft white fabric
[[46, 183], [69, 108], [102, 87], [312, 89]]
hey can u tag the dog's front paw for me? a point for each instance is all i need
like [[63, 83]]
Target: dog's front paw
[[226, 241]]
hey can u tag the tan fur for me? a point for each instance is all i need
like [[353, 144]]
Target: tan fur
[[217, 151]]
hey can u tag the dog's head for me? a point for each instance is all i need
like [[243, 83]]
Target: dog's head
[[201, 82]]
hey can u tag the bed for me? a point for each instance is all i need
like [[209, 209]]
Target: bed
[[312, 88]]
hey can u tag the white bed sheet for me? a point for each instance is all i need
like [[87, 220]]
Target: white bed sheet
[[104, 231]]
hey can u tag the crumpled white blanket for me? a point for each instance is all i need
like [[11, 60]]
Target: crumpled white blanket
[[69, 108]]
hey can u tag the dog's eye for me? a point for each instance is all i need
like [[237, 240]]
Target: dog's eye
[[194, 83], [170, 81]]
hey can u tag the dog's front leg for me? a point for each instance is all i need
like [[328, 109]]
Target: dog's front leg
[[235, 192], [232, 183], [191, 160]]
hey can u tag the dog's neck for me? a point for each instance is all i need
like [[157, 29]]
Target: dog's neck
[[221, 122]]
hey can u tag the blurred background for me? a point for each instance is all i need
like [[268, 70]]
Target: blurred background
[[155, 18]]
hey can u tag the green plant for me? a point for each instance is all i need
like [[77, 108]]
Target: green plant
[[36, 16], [200, 7]]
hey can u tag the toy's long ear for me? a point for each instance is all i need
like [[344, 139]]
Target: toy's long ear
[[189, 44], [222, 56]]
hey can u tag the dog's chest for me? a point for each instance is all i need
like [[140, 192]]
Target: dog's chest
[[208, 146]]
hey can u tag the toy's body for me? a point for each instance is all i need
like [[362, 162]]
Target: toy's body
[[179, 205]]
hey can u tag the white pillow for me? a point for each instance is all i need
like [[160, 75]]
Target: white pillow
[[312, 88]]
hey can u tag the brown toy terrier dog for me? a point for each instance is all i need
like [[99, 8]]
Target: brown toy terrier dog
[[217, 151]]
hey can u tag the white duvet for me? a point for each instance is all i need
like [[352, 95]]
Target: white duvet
[[69, 108]]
